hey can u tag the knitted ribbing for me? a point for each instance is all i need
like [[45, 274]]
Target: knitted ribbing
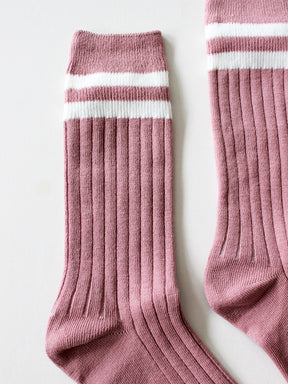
[[246, 275], [117, 318]]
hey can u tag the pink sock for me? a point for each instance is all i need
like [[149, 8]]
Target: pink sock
[[246, 275], [117, 318]]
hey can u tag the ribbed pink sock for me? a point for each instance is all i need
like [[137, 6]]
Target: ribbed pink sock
[[117, 318], [246, 276]]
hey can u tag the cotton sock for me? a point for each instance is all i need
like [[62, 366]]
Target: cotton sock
[[246, 275], [117, 318]]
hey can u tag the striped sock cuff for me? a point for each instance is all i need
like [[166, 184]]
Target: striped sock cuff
[[117, 75], [247, 35]]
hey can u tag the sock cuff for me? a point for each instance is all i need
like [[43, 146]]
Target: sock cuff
[[246, 11], [247, 34], [131, 52], [117, 76]]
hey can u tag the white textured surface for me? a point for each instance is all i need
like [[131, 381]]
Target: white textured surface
[[245, 29], [106, 79], [35, 43], [118, 108], [245, 60]]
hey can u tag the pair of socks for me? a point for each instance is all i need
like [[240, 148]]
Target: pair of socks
[[117, 318]]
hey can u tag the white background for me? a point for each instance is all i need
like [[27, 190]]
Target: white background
[[35, 43]]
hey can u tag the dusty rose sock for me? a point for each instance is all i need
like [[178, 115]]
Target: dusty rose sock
[[117, 318], [246, 275]]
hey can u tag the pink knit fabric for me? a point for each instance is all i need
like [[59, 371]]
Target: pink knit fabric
[[246, 11], [246, 275], [117, 318]]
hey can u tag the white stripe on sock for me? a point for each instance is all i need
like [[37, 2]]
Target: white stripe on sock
[[107, 79], [119, 109], [215, 30], [245, 60]]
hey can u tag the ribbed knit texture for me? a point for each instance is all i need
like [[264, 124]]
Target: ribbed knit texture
[[117, 318], [246, 275]]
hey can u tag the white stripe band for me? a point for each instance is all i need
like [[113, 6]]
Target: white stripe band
[[215, 30], [107, 79], [245, 60], [119, 109]]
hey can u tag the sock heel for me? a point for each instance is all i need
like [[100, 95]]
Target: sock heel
[[81, 331], [241, 287]]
